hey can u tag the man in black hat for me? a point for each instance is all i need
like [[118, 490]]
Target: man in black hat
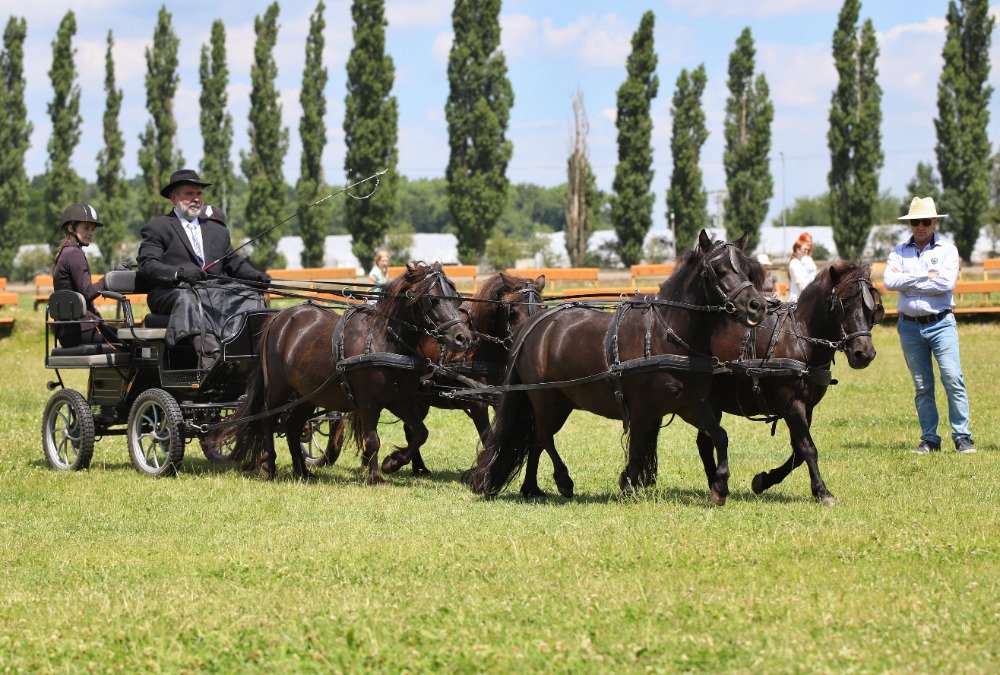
[[177, 253]]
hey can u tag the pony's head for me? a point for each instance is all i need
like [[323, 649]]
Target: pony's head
[[423, 297], [505, 304], [855, 304], [726, 275]]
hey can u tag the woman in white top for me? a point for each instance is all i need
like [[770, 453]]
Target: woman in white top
[[801, 268]]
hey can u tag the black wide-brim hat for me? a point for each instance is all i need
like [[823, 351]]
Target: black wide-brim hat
[[180, 178]]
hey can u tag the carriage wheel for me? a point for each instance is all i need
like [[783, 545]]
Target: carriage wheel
[[156, 434], [215, 453], [68, 431], [315, 438]]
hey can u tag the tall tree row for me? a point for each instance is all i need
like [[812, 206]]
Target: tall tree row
[[963, 147], [749, 113], [62, 185], [632, 203], [312, 134], [157, 156], [581, 188], [478, 110], [687, 201], [215, 120], [262, 164], [15, 132], [110, 170], [854, 137], [370, 129]]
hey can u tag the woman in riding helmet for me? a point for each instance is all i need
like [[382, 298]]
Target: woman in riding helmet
[[71, 272]]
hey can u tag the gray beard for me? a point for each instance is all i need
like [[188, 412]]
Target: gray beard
[[189, 212]]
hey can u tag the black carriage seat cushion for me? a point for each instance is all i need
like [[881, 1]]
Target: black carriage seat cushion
[[89, 349], [156, 320], [124, 281], [67, 306]]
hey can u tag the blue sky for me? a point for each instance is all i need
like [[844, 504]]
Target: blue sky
[[553, 47]]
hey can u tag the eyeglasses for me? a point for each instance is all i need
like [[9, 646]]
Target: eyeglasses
[[923, 222]]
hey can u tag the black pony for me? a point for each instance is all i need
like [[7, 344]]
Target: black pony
[[791, 353], [364, 362], [569, 358]]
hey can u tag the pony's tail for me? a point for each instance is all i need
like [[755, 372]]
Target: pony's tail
[[250, 436], [507, 443], [351, 425]]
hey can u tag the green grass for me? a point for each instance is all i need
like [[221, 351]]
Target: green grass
[[215, 571]]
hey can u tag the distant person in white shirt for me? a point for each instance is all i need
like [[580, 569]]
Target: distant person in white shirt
[[923, 270], [801, 268]]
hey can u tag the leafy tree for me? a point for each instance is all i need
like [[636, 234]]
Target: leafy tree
[[423, 204], [15, 134], [268, 144], [216, 122], [806, 213], [854, 137], [993, 215], [370, 128], [749, 113], [632, 204], [963, 147], [312, 133], [110, 172], [686, 200], [157, 157], [62, 184], [925, 183], [581, 192], [478, 110]]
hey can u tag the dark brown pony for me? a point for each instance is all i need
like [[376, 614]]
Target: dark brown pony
[[501, 307], [298, 361], [836, 311], [572, 343]]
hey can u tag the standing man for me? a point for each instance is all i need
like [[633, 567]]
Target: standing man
[[176, 255], [924, 270]]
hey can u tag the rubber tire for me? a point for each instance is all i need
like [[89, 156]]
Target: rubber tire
[[82, 416], [170, 423], [316, 455], [211, 454]]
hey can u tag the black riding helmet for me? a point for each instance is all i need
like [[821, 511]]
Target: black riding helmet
[[80, 213]]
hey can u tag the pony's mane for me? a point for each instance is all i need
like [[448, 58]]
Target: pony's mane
[[684, 267], [401, 293], [481, 314]]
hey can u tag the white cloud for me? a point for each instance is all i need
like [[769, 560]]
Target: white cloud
[[590, 41], [418, 13], [442, 46], [752, 8], [798, 76]]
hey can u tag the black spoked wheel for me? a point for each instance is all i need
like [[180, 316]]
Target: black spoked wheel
[[68, 431], [213, 452], [316, 440], [156, 434]]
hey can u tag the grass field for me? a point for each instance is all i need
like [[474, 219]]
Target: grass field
[[215, 571]]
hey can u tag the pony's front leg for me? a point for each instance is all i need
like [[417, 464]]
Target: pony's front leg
[[712, 435], [805, 449], [266, 464], [294, 426], [640, 471], [416, 435], [368, 419]]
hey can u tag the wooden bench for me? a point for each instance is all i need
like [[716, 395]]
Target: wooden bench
[[460, 275], [990, 265], [986, 289], [43, 289], [7, 299], [660, 271]]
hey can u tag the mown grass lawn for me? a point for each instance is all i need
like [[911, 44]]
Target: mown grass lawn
[[215, 571]]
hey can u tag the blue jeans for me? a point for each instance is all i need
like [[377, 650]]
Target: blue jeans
[[940, 339]]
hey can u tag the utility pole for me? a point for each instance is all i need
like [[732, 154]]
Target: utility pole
[[784, 242]]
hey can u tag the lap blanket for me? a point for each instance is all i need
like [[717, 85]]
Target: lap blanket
[[214, 308]]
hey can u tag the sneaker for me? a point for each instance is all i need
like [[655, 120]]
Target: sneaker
[[925, 447], [965, 446]]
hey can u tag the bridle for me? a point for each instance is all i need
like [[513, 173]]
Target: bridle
[[426, 304], [712, 278], [835, 305], [531, 297]]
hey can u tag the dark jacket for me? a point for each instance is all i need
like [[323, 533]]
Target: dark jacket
[[165, 248], [72, 273]]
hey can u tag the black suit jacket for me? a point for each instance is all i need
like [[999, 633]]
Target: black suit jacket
[[165, 248]]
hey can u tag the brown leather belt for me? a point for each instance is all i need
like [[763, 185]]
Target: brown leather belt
[[928, 318]]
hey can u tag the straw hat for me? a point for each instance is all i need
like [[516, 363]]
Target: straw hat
[[922, 208]]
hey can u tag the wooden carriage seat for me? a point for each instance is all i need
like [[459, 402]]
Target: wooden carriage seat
[[71, 306]]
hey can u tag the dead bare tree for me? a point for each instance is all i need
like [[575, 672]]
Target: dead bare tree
[[581, 192]]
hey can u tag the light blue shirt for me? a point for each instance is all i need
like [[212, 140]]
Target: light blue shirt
[[920, 295]]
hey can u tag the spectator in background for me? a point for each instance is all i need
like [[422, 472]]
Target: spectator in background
[[801, 268], [379, 273]]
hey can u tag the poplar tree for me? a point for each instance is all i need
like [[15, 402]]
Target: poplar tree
[[216, 122], [687, 201], [924, 183], [62, 184], [262, 165], [632, 202], [312, 132], [749, 113], [854, 137], [15, 134], [963, 147], [110, 172], [581, 188], [478, 110], [157, 157]]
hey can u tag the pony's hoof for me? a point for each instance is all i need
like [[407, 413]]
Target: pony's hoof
[[716, 498], [266, 474], [534, 496], [419, 471], [374, 479], [757, 484], [626, 485], [826, 500], [565, 489], [392, 463], [306, 476]]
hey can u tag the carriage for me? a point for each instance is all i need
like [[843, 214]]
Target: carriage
[[154, 395]]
